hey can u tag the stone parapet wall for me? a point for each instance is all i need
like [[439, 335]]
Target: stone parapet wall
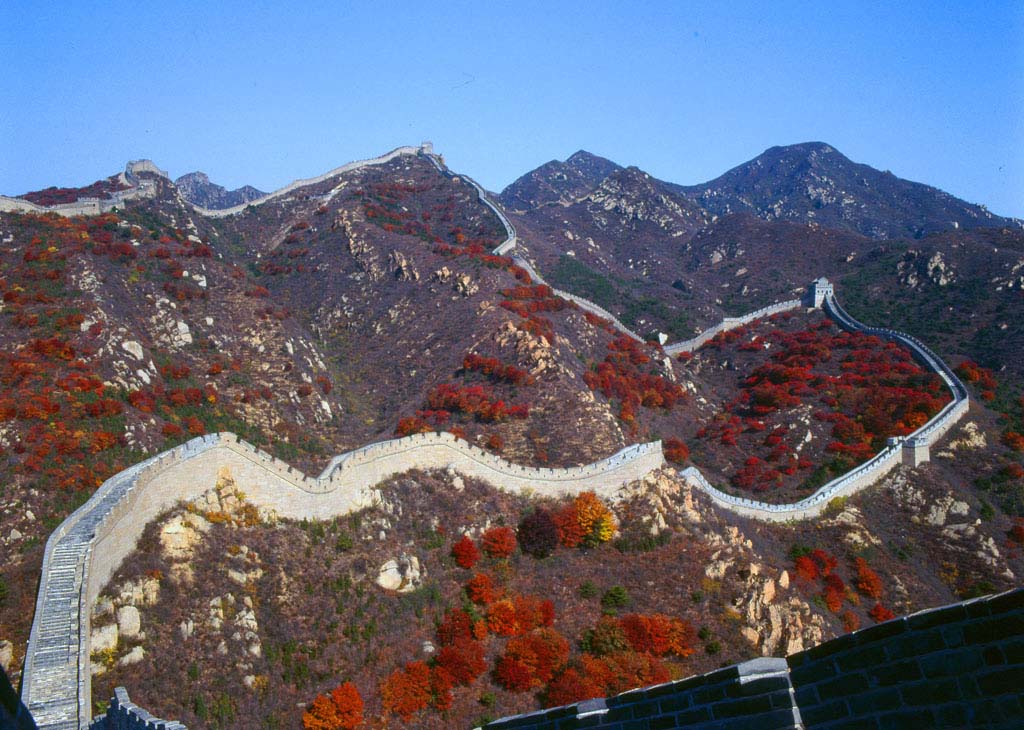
[[123, 714], [730, 323], [397, 152], [83, 553]]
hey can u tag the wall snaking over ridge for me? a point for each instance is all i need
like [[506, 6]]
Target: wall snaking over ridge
[[87, 548]]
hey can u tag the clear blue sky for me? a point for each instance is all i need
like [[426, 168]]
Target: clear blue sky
[[256, 93]]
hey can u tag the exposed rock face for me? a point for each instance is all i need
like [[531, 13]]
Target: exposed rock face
[[402, 268], [535, 350], [914, 269], [136, 655], [196, 188], [7, 656], [971, 438], [103, 638], [129, 622], [402, 574], [180, 535]]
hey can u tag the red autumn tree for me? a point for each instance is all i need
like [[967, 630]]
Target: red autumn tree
[[835, 591], [675, 450], [806, 568], [407, 691], [880, 613], [658, 634], [567, 523], [480, 589], [465, 552], [571, 686], [868, 581], [457, 624], [499, 542], [501, 618], [463, 660], [342, 709]]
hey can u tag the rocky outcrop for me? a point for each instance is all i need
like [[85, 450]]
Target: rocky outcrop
[[196, 188]]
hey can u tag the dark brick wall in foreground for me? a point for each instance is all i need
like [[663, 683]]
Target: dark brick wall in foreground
[[961, 666], [953, 667]]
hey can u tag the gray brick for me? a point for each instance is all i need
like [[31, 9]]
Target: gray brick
[[953, 636], [993, 655], [815, 715], [868, 656], [882, 631], [995, 628], [772, 720], [810, 673], [860, 723], [1001, 681], [894, 673], [807, 696], [694, 715], [673, 704], [741, 707], [765, 685], [930, 692], [906, 720], [668, 721], [879, 700], [827, 649], [951, 664], [915, 644], [842, 686], [1013, 651], [952, 715], [938, 617]]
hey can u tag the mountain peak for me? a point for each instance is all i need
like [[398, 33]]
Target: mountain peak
[[197, 189], [558, 182], [812, 182]]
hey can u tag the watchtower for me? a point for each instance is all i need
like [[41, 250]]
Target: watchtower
[[817, 292]]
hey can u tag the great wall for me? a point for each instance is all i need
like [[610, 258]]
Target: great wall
[[86, 549]]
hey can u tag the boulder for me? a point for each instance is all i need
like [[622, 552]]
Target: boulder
[[7, 656], [402, 574], [136, 655], [129, 622], [103, 638]]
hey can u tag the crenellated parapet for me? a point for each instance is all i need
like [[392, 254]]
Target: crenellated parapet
[[83, 553]]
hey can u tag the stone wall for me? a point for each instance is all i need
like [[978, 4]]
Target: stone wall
[[953, 667], [397, 152], [911, 450], [86, 549], [123, 714], [93, 206], [733, 698], [730, 323]]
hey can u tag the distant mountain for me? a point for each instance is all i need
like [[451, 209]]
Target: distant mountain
[[813, 182], [558, 182], [197, 189]]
